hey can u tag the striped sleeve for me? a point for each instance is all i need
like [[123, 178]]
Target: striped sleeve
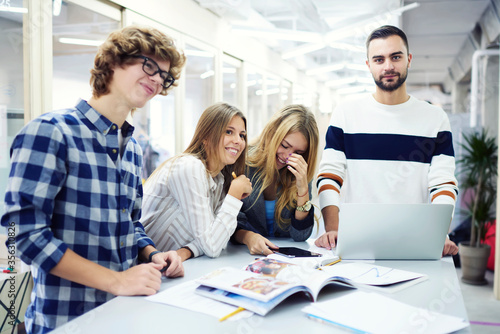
[[445, 193], [211, 230], [443, 186], [332, 168]]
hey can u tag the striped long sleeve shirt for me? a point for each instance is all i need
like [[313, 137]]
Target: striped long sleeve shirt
[[378, 153], [185, 207]]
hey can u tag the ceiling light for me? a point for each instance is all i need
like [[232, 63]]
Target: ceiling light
[[350, 30], [400, 10], [13, 9], [348, 47], [268, 91], [340, 82], [357, 67], [56, 7], [78, 41], [207, 74], [251, 83], [303, 49], [326, 68], [281, 34], [366, 25], [198, 53]]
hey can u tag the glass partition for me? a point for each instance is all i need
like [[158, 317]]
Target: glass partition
[[77, 32], [199, 87], [156, 124], [230, 75], [273, 93], [256, 109], [286, 92], [11, 83], [155, 131]]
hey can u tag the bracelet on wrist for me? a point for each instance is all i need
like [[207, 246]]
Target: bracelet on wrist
[[304, 208], [151, 255], [307, 192]]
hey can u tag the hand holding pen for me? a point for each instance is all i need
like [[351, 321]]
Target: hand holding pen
[[240, 187], [171, 263]]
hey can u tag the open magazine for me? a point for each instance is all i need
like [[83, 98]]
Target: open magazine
[[267, 282]]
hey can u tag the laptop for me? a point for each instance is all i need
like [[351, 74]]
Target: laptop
[[392, 231]]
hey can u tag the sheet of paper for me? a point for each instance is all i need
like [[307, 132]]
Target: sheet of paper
[[375, 313], [183, 296], [370, 274], [306, 262]]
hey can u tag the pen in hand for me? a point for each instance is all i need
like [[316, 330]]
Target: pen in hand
[[162, 270]]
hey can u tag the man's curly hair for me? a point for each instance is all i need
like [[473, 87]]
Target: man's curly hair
[[130, 41]]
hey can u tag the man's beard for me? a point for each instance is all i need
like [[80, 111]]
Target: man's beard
[[393, 85]]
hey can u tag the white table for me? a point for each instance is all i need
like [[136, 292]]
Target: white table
[[441, 293]]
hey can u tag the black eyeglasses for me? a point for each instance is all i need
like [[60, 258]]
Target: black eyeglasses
[[150, 67]]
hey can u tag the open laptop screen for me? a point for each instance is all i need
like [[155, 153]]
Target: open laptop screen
[[393, 231]]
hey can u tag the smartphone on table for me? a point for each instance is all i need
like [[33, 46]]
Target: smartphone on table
[[295, 252]]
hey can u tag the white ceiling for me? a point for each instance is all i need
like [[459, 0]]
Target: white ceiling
[[438, 31]]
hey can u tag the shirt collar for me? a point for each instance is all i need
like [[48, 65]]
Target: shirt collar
[[102, 124], [214, 181]]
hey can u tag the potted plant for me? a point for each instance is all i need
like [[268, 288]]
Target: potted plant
[[479, 169]]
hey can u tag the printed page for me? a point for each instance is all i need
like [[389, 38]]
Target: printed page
[[300, 274], [246, 283], [308, 262], [369, 274], [183, 295], [268, 266], [259, 307], [373, 313]]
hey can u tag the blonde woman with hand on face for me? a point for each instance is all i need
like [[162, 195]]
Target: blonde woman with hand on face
[[191, 201], [281, 164]]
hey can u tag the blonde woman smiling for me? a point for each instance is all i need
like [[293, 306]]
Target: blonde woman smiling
[[281, 165]]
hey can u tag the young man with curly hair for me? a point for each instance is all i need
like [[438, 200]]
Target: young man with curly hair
[[75, 190]]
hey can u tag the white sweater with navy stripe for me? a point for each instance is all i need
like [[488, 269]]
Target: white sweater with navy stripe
[[377, 153]]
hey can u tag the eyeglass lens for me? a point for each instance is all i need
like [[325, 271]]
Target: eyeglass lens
[[151, 68]]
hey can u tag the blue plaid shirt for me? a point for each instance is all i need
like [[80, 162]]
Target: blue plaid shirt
[[69, 189]]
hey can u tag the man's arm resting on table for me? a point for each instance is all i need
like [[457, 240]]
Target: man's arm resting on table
[[143, 279], [185, 253], [331, 218]]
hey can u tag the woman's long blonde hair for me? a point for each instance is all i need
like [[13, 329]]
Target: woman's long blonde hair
[[207, 136], [262, 155]]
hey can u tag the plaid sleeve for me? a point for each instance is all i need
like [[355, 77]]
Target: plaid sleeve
[[38, 171], [136, 159], [142, 239]]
